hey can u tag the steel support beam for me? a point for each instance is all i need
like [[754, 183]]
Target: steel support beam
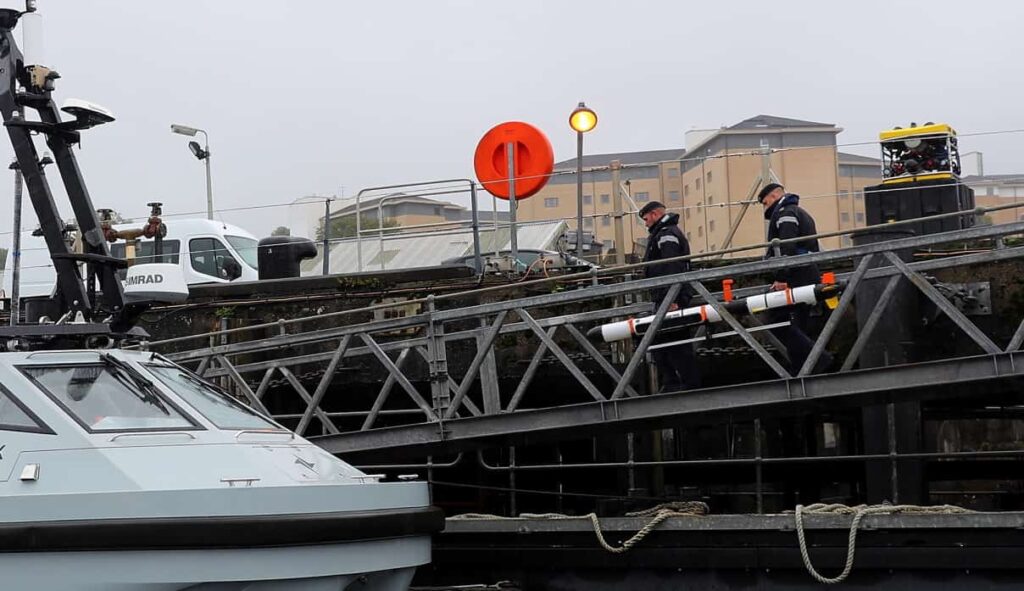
[[740, 329], [437, 362], [261, 391], [945, 305], [301, 390], [484, 347], [864, 335], [552, 346], [489, 385], [240, 383], [397, 373], [596, 355], [531, 371], [204, 364], [835, 317], [1018, 338], [385, 391], [646, 340], [870, 386], [452, 386], [321, 388]]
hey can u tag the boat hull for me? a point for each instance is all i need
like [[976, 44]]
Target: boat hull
[[384, 565]]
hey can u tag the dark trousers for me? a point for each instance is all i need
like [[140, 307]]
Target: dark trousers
[[794, 337], [677, 366]]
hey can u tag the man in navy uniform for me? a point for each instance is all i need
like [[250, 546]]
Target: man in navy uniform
[[787, 220], [677, 366]]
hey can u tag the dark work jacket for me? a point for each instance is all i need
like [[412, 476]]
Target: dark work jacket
[[666, 241], [786, 219]]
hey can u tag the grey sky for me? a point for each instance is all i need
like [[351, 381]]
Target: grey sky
[[307, 97]]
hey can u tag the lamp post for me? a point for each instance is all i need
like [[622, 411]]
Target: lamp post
[[202, 153], [581, 120]]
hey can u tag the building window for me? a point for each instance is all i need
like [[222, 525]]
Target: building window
[[686, 190], [845, 241], [714, 246], [437, 210], [688, 237], [606, 221], [641, 196], [858, 195], [844, 194], [687, 213], [696, 184], [605, 199], [551, 202], [673, 195], [860, 217], [711, 228], [711, 199], [700, 231], [844, 217], [588, 199], [588, 223], [673, 172], [708, 181]]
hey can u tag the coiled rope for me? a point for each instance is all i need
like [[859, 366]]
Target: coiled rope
[[658, 514], [858, 512]]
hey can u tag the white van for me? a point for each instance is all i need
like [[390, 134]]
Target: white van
[[208, 251]]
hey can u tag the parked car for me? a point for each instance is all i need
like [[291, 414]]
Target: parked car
[[528, 259]]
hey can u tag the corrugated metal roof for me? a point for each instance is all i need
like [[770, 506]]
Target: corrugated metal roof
[[640, 157], [407, 251], [847, 158], [773, 122]]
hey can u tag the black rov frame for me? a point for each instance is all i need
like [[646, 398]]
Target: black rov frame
[[85, 314]]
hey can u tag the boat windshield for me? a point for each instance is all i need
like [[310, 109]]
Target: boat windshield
[[246, 248], [221, 409], [111, 396]]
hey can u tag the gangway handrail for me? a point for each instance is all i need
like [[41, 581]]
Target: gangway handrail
[[740, 268]]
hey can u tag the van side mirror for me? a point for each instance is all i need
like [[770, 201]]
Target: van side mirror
[[230, 269]]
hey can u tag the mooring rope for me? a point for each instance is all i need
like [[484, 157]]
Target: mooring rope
[[658, 514], [663, 511], [858, 512]]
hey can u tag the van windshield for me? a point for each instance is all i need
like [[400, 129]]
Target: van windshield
[[246, 248]]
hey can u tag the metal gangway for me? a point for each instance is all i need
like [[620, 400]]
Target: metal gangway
[[472, 410]]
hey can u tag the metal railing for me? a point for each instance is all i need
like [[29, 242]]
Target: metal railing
[[476, 392]]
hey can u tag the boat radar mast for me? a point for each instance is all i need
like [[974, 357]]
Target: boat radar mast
[[93, 309]]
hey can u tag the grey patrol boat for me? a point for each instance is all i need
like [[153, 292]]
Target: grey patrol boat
[[121, 470]]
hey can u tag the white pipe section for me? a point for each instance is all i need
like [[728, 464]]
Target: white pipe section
[[617, 331]]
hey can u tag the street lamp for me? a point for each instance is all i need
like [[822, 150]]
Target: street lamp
[[581, 120], [202, 153]]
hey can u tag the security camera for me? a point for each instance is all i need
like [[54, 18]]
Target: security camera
[[87, 114]]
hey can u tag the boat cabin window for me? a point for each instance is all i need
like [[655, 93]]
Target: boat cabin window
[[210, 257], [221, 409], [16, 417], [112, 396]]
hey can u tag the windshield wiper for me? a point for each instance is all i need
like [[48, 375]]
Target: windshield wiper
[[144, 388]]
